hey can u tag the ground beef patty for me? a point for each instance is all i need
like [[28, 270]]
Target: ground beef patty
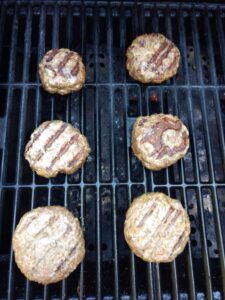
[[62, 71], [156, 228], [159, 140], [48, 243], [152, 58], [56, 147]]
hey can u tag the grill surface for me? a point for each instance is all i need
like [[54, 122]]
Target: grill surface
[[105, 110]]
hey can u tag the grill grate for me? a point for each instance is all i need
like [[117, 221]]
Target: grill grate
[[105, 110]]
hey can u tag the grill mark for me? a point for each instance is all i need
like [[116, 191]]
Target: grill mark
[[50, 68], [158, 129], [51, 55], [75, 69], [175, 149], [53, 242], [157, 53], [173, 62], [163, 56], [49, 222], [166, 230], [174, 219], [164, 149], [170, 211], [76, 158], [161, 225], [63, 150], [37, 135], [147, 214], [180, 240], [27, 224], [142, 121], [41, 232], [51, 140], [67, 258], [64, 62], [155, 137]]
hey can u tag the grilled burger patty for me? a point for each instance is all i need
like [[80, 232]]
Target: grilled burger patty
[[48, 243], [159, 140], [56, 147], [62, 71], [156, 228], [152, 58]]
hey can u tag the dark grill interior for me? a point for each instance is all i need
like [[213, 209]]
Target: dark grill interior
[[105, 110]]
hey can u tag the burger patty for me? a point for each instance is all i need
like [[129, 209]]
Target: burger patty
[[48, 244], [62, 71], [152, 58], [56, 147], [159, 140], [157, 228]]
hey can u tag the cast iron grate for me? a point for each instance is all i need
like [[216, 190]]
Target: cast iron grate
[[105, 111]]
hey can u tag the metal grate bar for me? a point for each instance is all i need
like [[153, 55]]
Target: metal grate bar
[[132, 259], [98, 203], [151, 287], [173, 264], [155, 20], [210, 49], [69, 25], [82, 215], [219, 235], [28, 287], [219, 238], [10, 90], [199, 202], [27, 45], [189, 252], [189, 259], [55, 36], [150, 278], [155, 267], [11, 261], [163, 185], [2, 23], [41, 50], [221, 35], [19, 85], [9, 103], [197, 47], [183, 45], [66, 204], [114, 204], [220, 126]]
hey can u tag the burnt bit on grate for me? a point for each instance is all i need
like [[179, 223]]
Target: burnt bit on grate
[[133, 102]]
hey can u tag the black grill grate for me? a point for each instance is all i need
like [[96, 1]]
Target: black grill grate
[[105, 111]]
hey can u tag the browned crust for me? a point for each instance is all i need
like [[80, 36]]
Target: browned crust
[[136, 57], [62, 85], [130, 229], [71, 265], [153, 163], [68, 169]]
